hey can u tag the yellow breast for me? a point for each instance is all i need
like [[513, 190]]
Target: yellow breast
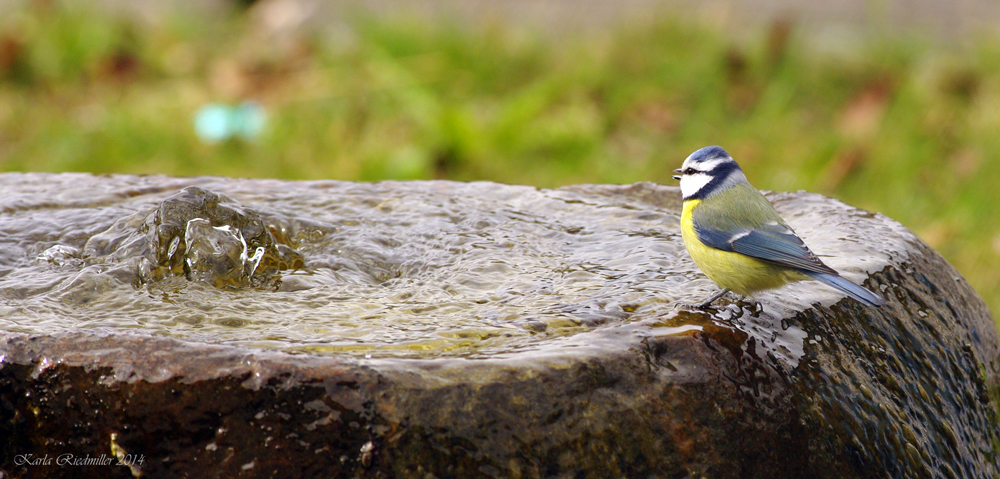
[[733, 271]]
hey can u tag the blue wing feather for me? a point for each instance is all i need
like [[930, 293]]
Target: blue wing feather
[[781, 248], [777, 244], [717, 239]]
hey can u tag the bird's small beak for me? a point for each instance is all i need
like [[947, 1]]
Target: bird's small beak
[[677, 177]]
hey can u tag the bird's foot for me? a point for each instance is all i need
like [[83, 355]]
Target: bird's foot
[[706, 304]]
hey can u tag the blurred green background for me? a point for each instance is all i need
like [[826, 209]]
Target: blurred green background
[[897, 123]]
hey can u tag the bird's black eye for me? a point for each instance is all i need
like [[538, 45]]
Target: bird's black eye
[[689, 171]]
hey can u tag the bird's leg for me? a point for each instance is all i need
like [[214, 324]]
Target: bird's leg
[[711, 300]]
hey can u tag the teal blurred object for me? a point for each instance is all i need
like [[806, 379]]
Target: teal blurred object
[[217, 122]]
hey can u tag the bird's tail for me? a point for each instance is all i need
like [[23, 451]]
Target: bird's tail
[[852, 290]]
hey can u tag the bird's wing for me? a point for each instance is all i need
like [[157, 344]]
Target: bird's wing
[[775, 243]]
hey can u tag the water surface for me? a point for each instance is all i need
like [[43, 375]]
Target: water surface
[[391, 269]]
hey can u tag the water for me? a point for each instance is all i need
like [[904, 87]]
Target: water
[[392, 269]]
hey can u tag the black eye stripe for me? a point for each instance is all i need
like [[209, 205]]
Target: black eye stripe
[[719, 174]]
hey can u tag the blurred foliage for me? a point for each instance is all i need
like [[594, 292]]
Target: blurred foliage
[[897, 126]]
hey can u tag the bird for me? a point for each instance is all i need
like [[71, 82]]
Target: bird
[[737, 238]]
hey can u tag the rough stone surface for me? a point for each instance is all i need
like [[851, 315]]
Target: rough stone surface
[[910, 390]]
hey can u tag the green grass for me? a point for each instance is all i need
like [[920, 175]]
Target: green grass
[[898, 126]]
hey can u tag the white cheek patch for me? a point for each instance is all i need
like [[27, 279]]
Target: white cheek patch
[[690, 184]]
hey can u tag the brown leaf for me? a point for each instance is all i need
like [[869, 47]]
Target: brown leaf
[[862, 117]]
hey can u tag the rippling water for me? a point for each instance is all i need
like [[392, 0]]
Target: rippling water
[[404, 269]]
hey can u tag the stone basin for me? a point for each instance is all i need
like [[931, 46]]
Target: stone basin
[[261, 328]]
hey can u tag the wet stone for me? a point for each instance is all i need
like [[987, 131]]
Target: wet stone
[[214, 327]]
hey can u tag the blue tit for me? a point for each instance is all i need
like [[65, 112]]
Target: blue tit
[[738, 239]]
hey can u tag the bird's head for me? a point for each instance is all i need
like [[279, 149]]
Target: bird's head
[[707, 172]]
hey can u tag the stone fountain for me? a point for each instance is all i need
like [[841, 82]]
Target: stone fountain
[[213, 327]]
